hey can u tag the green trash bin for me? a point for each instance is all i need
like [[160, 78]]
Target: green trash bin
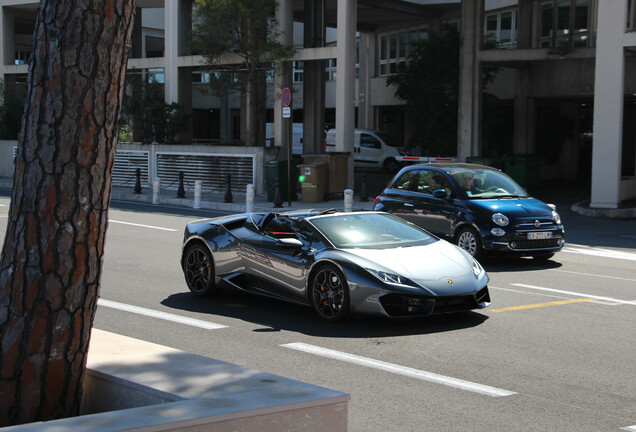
[[524, 169], [278, 169]]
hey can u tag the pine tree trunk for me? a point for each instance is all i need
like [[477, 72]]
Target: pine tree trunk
[[51, 261]]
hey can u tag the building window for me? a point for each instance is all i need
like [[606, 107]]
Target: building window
[[298, 72], [331, 70], [631, 15], [564, 24], [394, 49], [501, 29]]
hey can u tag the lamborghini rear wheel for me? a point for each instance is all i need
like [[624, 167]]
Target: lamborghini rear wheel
[[330, 294], [198, 269]]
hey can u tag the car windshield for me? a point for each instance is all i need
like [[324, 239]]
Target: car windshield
[[486, 184], [370, 231]]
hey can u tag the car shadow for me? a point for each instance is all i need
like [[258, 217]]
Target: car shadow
[[273, 316], [511, 264]]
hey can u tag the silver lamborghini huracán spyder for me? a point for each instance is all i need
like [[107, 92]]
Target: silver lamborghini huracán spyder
[[337, 263]]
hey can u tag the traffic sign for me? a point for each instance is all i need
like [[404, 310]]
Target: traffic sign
[[286, 97]]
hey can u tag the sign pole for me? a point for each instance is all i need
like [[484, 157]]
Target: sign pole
[[287, 115]]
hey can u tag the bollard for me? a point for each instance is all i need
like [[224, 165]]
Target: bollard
[[181, 189], [197, 194], [278, 200], [155, 190], [228, 190], [364, 195], [249, 199], [138, 181], [348, 200]]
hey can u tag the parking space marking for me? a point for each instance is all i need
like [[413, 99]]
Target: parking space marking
[[160, 315], [594, 275], [540, 305], [141, 225], [599, 252], [576, 294], [400, 370]]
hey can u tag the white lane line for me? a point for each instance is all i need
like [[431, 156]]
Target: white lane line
[[400, 370], [595, 275], [601, 302], [576, 294], [141, 225], [160, 315], [599, 252], [629, 428]]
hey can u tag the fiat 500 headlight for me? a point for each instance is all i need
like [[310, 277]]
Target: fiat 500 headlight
[[557, 218], [500, 219]]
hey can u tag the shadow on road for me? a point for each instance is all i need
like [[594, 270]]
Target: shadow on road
[[275, 316], [512, 264]]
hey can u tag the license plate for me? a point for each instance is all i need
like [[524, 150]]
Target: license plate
[[539, 235]]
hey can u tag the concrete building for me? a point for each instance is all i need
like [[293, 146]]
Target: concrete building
[[566, 82]]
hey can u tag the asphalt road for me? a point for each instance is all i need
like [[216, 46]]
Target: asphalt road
[[556, 350]]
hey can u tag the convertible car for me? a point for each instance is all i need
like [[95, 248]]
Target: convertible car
[[337, 263]]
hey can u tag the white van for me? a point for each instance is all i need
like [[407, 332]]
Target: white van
[[371, 149], [297, 137]]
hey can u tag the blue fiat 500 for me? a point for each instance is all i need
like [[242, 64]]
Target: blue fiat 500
[[479, 208]]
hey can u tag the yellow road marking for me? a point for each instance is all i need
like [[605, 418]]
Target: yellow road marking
[[538, 305]]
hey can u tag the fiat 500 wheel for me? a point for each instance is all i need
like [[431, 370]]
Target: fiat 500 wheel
[[330, 294], [198, 269], [469, 240]]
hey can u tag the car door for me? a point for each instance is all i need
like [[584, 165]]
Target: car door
[[281, 269], [369, 153], [412, 197]]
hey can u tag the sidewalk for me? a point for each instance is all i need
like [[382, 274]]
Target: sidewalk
[[571, 196], [216, 200]]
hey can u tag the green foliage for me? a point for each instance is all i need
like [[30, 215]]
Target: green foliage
[[429, 85], [145, 111], [244, 28], [11, 109]]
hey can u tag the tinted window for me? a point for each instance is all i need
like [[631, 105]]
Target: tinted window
[[423, 181], [369, 141]]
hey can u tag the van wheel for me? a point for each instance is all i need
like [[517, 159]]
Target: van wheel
[[391, 165]]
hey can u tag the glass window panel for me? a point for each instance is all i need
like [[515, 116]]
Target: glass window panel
[[563, 15], [547, 13], [491, 23], [402, 46], [393, 46], [580, 15], [383, 51], [505, 35]]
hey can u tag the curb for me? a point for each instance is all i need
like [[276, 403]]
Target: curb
[[583, 208]]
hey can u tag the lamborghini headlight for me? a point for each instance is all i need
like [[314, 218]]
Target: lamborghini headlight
[[392, 278], [477, 268]]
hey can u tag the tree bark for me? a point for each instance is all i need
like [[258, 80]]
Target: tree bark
[[51, 261]]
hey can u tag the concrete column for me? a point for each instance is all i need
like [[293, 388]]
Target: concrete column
[[470, 80], [314, 106], [171, 50], [7, 30], [345, 84], [283, 79], [367, 60], [608, 105], [314, 79]]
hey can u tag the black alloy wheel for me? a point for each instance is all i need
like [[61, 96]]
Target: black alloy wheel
[[330, 294], [198, 269]]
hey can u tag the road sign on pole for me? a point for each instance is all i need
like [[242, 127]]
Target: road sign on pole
[[286, 97]]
